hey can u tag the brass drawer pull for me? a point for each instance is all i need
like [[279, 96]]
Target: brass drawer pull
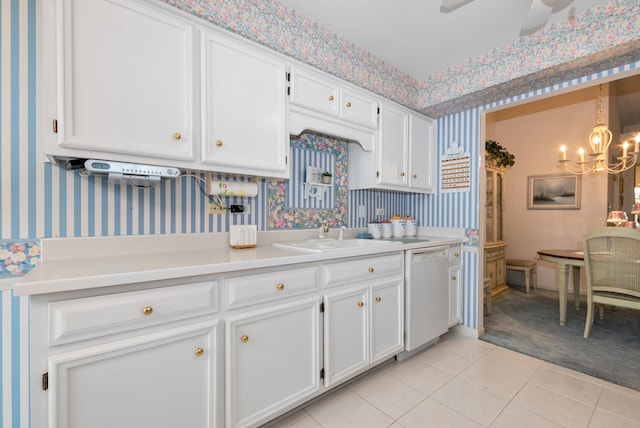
[[177, 136], [280, 287], [330, 97], [378, 299], [147, 310], [360, 304], [244, 339], [348, 104], [219, 143], [371, 270], [454, 277], [199, 352], [402, 174]]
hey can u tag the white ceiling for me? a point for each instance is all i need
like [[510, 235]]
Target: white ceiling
[[416, 37]]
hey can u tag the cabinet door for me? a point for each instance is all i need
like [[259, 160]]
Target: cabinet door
[[165, 379], [346, 334], [455, 295], [243, 108], [421, 157], [125, 82], [314, 92], [358, 108], [272, 361], [387, 320], [392, 146]]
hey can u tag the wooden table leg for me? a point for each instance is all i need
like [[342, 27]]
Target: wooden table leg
[[576, 286], [563, 285]]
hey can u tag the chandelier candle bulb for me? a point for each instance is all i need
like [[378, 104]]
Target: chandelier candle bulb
[[637, 139], [625, 146], [581, 154], [563, 152]]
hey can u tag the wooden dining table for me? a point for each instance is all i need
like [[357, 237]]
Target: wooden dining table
[[565, 259]]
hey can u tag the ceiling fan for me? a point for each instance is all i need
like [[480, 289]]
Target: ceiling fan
[[536, 18]]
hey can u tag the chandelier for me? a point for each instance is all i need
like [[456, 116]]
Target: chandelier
[[599, 142]]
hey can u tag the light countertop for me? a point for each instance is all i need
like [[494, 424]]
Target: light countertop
[[82, 263]]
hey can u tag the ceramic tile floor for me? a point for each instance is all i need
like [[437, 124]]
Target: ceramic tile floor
[[463, 382]]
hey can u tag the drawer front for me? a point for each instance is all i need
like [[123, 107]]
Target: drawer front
[[363, 269], [89, 317], [360, 109], [314, 92], [253, 289]]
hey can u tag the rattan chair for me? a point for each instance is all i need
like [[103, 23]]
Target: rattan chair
[[612, 267]]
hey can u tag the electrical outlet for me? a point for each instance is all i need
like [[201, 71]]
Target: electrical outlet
[[362, 211], [379, 212], [217, 209], [240, 209]]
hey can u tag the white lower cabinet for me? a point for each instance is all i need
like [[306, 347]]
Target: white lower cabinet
[[164, 379], [363, 326], [272, 361], [455, 285], [364, 314]]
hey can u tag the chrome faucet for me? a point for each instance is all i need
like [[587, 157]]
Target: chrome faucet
[[324, 229]]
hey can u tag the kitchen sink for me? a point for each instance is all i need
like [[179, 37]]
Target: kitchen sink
[[322, 245]]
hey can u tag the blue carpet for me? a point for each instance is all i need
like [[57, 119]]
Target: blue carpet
[[528, 323]]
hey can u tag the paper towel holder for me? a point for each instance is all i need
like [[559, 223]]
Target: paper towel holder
[[247, 189]]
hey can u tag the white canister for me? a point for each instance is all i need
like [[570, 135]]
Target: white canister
[[375, 229], [398, 228], [387, 232], [412, 228]]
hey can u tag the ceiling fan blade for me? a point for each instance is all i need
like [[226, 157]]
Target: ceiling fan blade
[[537, 16], [450, 5]]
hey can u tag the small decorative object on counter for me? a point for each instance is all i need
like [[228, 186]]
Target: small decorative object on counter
[[387, 231], [326, 177], [375, 229], [411, 228], [398, 226], [243, 236]]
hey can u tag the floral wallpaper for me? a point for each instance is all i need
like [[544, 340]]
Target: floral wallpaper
[[18, 257], [599, 38], [281, 216]]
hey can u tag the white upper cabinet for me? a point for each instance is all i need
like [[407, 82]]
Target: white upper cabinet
[[313, 91], [243, 108], [393, 143], [357, 107], [404, 156], [124, 80], [327, 95], [421, 153]]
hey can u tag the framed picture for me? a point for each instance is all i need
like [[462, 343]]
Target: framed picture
[[554, 192]]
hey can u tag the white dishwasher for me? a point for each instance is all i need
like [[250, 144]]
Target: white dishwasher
[[426, 298]]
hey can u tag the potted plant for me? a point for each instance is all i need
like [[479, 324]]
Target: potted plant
[[326, 177], [498, 155]]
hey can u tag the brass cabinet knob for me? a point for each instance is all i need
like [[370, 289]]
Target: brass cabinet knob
[[219, 143], [199, 352], [330, 97], [280, 287], [147, 310], [454, 277], [456, 255], [348, 104], [415, 175], [402, 174], [371, 270], [360, 304], [378, 299], [244, 339], [177, 136]]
